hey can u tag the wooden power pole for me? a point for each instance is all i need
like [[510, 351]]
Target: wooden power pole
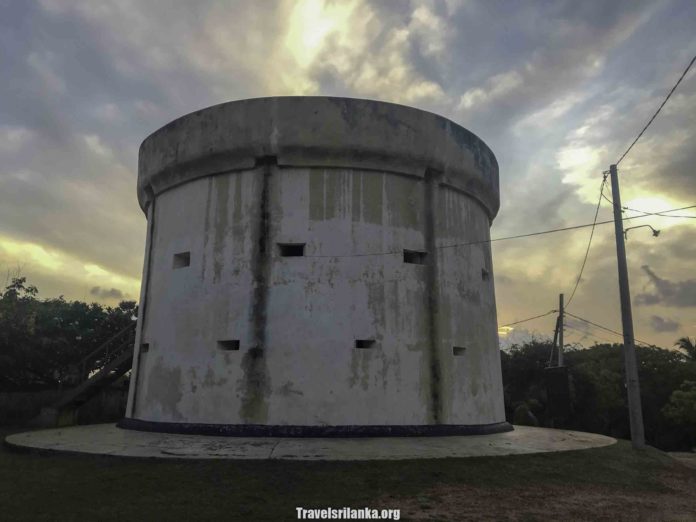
[[555, 343], [560, 330], [635, 413]]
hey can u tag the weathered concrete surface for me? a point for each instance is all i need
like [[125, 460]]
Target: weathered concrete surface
[[358, 182], [106, 439], [316, 131]]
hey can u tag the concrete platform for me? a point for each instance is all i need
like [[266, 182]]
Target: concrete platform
[[107, 439]]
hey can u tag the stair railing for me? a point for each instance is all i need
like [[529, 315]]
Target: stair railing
[[108, 350]]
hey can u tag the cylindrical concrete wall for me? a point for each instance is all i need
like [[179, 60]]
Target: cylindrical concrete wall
[[317, 266]]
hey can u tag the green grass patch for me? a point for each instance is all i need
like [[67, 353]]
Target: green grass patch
[[68, 487]]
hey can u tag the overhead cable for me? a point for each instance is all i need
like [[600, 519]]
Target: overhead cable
[[589, 243], [658, 110], [484, 241], [528, 319], [608, 329], [661, 213]]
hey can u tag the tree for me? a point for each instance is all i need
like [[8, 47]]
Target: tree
[[681, 411], [688, 347], [681, 407], [598, 391], [523, 378], [42, 340]]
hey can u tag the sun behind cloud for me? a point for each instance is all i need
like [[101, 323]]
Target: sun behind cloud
[[311, 21]]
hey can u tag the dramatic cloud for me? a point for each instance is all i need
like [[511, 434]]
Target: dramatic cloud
[[660, 324], [558, 90], [104, 293], [669, 293]]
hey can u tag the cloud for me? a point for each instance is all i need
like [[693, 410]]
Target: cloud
[[660, 324], [647, 299], [497, 88], [104, 293], [13, 138], [57, 272], [377, 54], [509, 337], [44, 67], [530, 72], [558, 90], [668, 293]]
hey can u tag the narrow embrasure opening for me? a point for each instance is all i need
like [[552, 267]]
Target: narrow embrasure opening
[[291, 249], [415, 257], [228, 344], [181, 260], [458, 350]]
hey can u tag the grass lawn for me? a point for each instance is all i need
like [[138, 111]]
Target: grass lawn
[[611, 483]]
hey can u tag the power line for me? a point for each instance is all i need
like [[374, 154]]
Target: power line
[[608, 329], [529, 319], [564, 229], [645, 343], [658, 110], [675, 209], [608, 199], [587, 333], [595, 324], [658, 214], [661, 213], [589, 243]]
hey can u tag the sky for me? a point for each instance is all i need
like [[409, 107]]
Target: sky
[[558, 90]]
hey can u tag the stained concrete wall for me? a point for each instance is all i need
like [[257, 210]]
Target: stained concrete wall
[[357, 182]]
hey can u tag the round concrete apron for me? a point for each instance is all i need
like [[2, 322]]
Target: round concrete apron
[[107, 439]]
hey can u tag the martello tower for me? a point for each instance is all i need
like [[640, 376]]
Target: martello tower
[[317, 266]]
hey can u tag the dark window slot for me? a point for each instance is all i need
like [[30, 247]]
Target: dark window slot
[[145, 347], [228, 345], [291, 249], [415, 257], [182, 259], [365, 343], [485, 274], [458, 351]]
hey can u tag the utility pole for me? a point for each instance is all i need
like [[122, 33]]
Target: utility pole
[[560, 330], [555, 343], [635, 413]]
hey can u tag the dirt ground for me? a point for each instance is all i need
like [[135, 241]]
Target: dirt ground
[[688, 459], [675, 501]]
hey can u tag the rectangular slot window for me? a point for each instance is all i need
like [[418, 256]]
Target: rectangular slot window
[[228, 345], [415, 257], [291, 249], [485, 274], [458, 351], [365, 343], [145, 347], [182, 259]]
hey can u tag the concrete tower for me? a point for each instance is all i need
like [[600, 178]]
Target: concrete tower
[[317, 266]]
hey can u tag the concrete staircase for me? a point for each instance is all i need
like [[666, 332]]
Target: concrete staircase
[[112, 360]]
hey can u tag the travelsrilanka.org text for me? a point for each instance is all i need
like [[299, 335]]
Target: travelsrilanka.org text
[[347, 513]]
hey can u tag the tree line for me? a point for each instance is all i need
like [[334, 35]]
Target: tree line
[[596, 400], [41, 341]]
